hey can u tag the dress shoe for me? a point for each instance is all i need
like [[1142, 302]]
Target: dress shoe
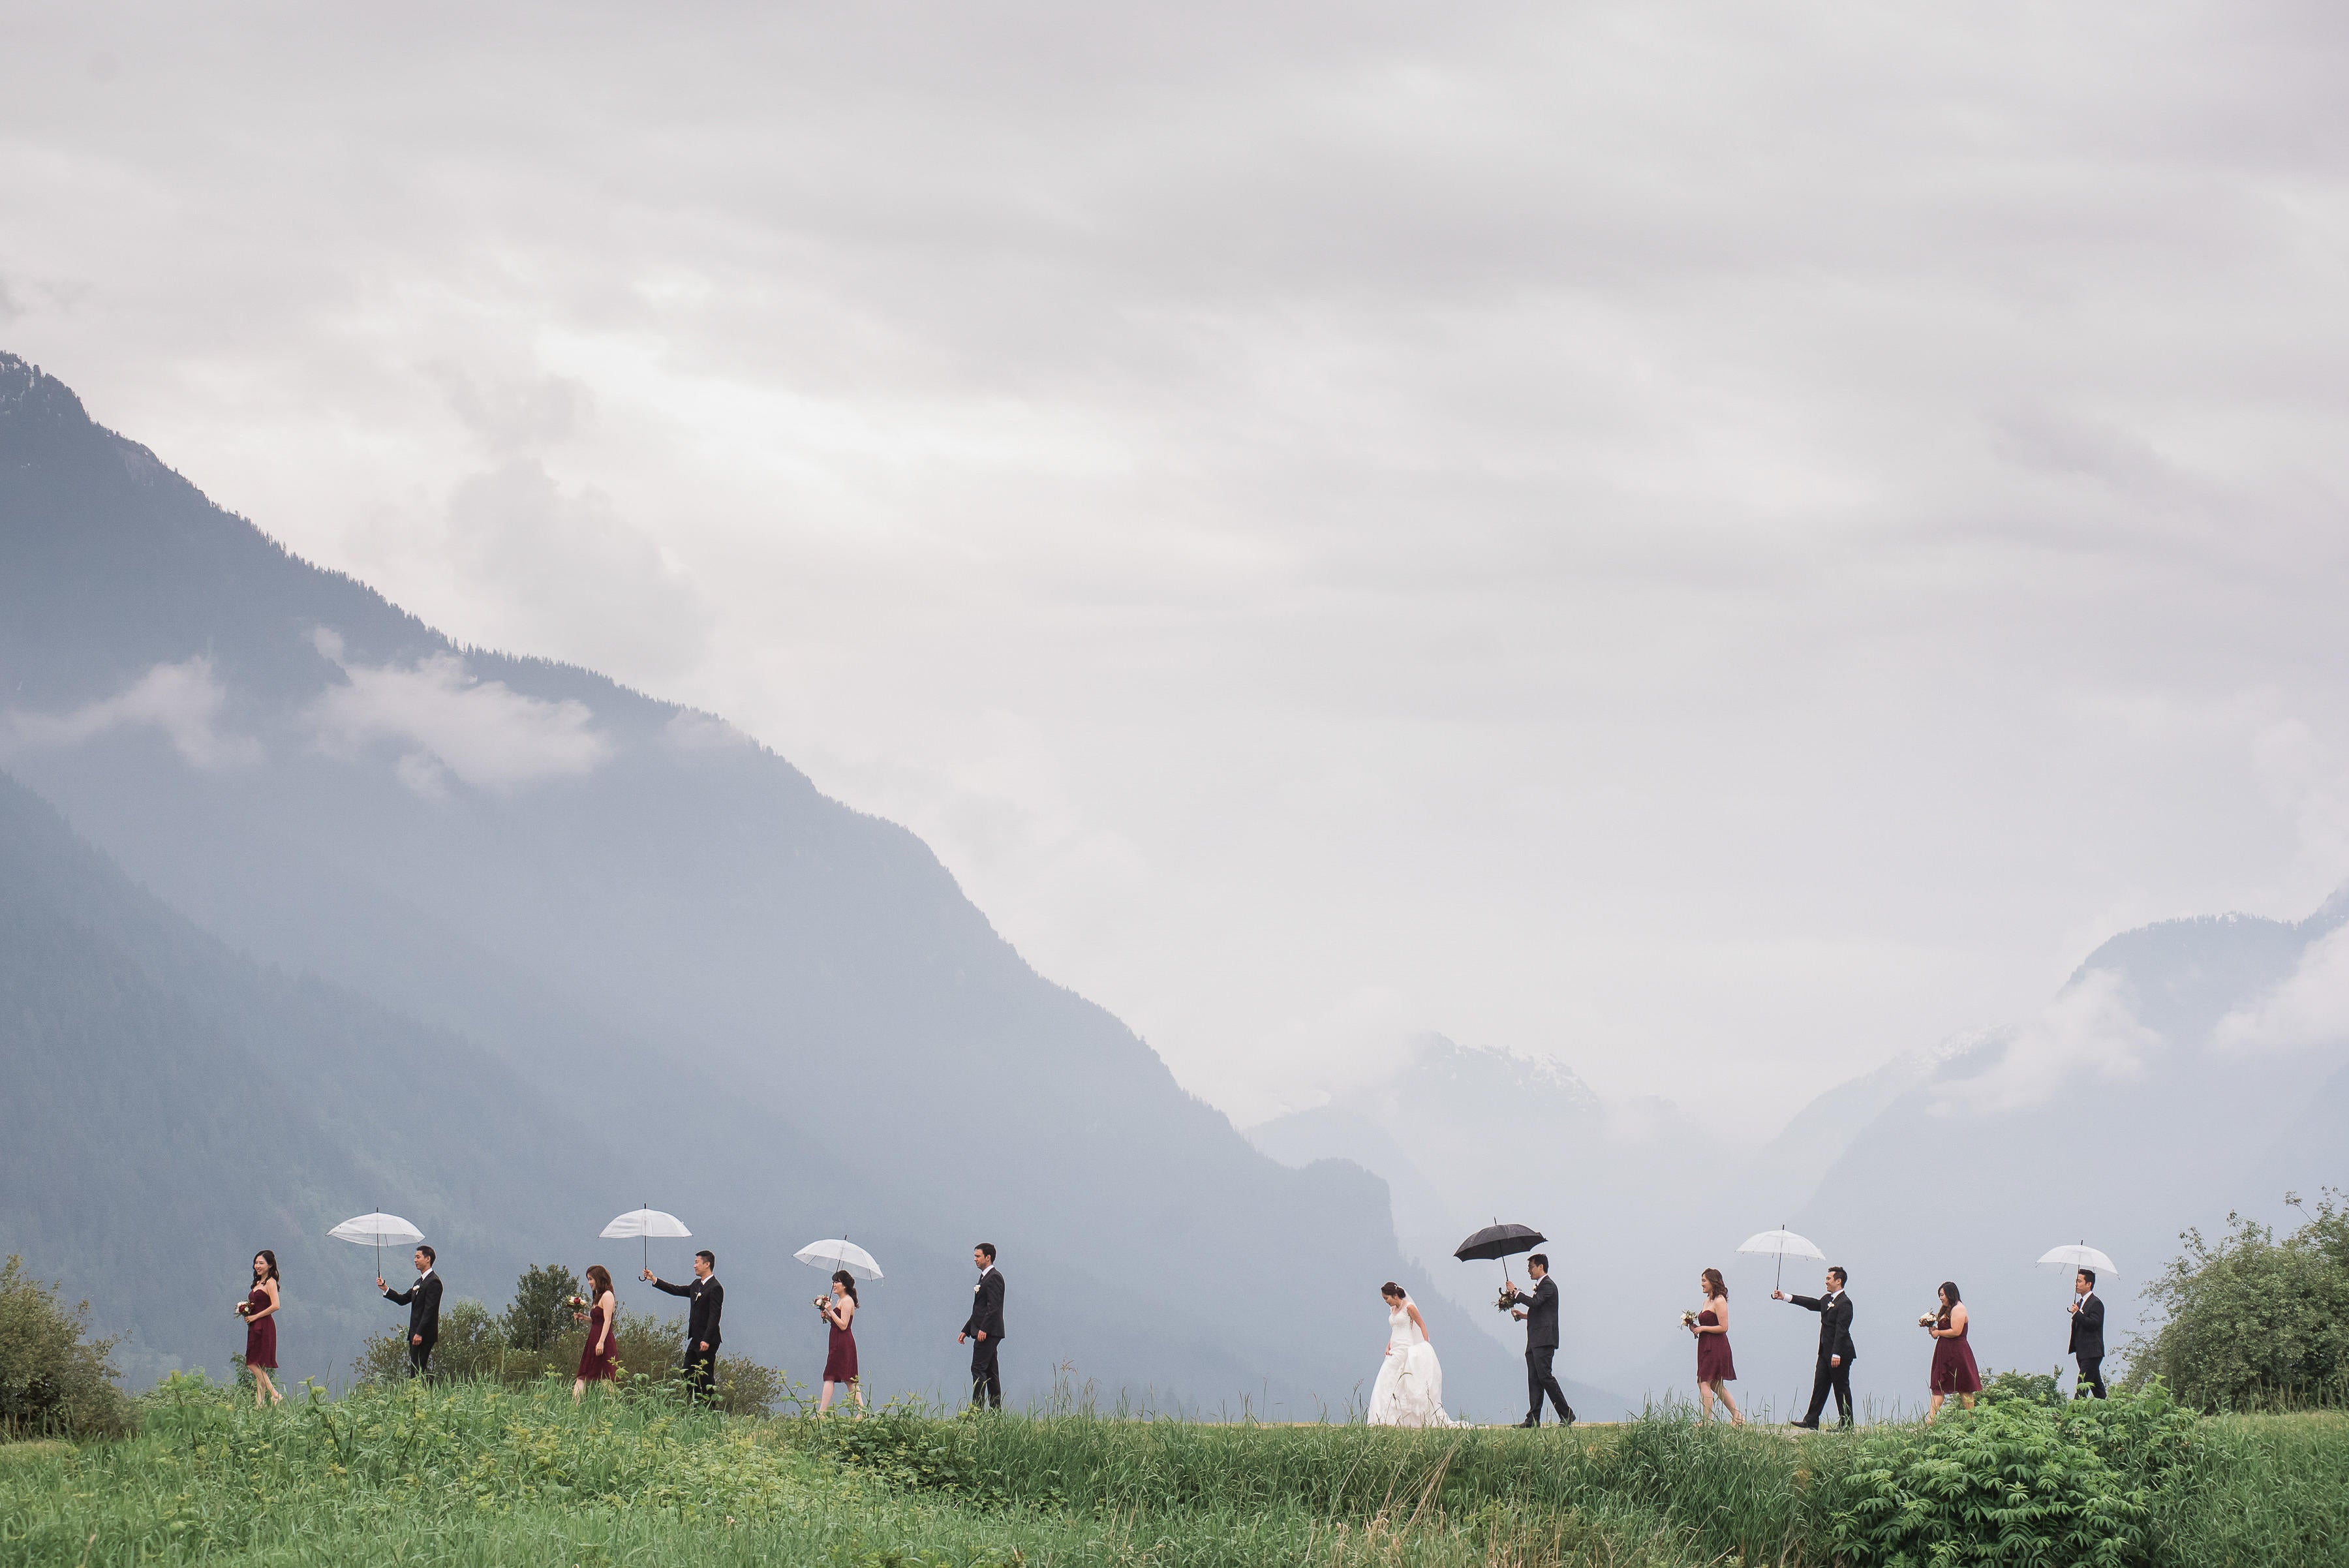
[[1530, 1421]]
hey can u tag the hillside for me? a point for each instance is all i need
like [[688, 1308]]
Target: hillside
[[173, 1107], [783, 1011]]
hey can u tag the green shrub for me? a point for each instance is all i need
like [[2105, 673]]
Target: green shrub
[[2015, 1481], [538, 1314], [55, 1381], [2031, 1388], [2252, 1322]]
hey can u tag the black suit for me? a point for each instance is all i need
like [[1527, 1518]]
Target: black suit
[[1541, 1351], [709, 1299], [1835, 1340], [2088, 1346], [422, 1300], [986, 1317]]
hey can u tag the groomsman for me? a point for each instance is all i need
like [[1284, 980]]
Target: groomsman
[[2087, 1334], [422, 1300], [1539, 1314], [701, 1329], [984, 1328], [1836, 1352]]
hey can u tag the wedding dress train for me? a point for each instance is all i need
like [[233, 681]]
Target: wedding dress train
[[1410, 1390]]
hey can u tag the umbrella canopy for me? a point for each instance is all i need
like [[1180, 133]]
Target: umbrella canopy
[[1499, 1241], [2080, 1256], [376, 1230], [1781, 1244], [842, 1255], [644, 1222]]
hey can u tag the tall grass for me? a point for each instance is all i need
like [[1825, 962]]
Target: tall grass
[[480, 1473]]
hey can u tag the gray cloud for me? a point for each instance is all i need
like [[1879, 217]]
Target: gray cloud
[[1712, 546]]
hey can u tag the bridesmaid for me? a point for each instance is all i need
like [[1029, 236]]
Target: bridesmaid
[[1953, 1359], [1714, 1369], [599, 1358], [259, 1311], [840, 1355]]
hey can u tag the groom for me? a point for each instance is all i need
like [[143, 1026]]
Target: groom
[[1539, 1314]]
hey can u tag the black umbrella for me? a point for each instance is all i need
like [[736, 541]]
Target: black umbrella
[[1498, 1240]]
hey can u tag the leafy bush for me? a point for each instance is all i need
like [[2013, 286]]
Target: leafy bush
[[55, 1381], [538, 1314], [1998, 1484], [2252, 1322], [2030, 1388], [2018, 1480]]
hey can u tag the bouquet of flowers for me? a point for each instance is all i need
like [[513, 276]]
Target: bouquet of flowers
[[1928, 1319], [1687, 1319], [1506, 1299], [577, 1303]]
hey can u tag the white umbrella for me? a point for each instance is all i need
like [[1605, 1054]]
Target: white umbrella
[[1781, 1244], [646, 1222], [842, 1255], [376, 1230], [2080, 1256]]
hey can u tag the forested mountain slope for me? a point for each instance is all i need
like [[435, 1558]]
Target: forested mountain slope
[[784, 1010]]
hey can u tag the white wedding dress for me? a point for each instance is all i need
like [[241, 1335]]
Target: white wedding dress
[[1410, 1390]]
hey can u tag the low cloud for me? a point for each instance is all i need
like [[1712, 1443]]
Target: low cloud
[[2309, 1008], [183, 700], [2090, 1031], [451, 724]]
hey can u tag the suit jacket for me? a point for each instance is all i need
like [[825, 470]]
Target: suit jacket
[[709, 1299], [1541, 1314], [2088, 1328], [1835, 1324], [986, 1306], [422, 1300]]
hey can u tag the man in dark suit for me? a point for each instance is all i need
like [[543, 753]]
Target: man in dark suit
[[1836, 1352], [701, 1325], [422, 1300], [984, 1328], [2087, 1334], [1539, 1314]]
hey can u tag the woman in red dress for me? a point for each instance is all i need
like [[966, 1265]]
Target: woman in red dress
[[259, 1311], [840, 1355], [1953, 1359], [599, 1358], [1714, 1369]]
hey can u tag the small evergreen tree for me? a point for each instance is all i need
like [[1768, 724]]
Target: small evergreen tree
[[538, 1316]]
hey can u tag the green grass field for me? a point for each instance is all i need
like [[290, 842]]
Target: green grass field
[[479, 1474]]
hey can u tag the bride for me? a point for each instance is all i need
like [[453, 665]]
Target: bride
[[1410, 1390]]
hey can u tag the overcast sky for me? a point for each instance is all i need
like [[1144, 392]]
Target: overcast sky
[[1713, 544]]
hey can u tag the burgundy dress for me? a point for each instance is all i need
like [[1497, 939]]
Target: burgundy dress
[[840, 1359], [1953, 1365], [1713, 1362], [260, 1338], [592, 1366]]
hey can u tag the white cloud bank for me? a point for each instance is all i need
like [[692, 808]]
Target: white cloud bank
[[2310, 1009], [2089, 1031], [183, 700], [483, 733]]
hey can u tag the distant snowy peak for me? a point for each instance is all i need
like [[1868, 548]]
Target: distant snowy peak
[[1438, 1060]]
